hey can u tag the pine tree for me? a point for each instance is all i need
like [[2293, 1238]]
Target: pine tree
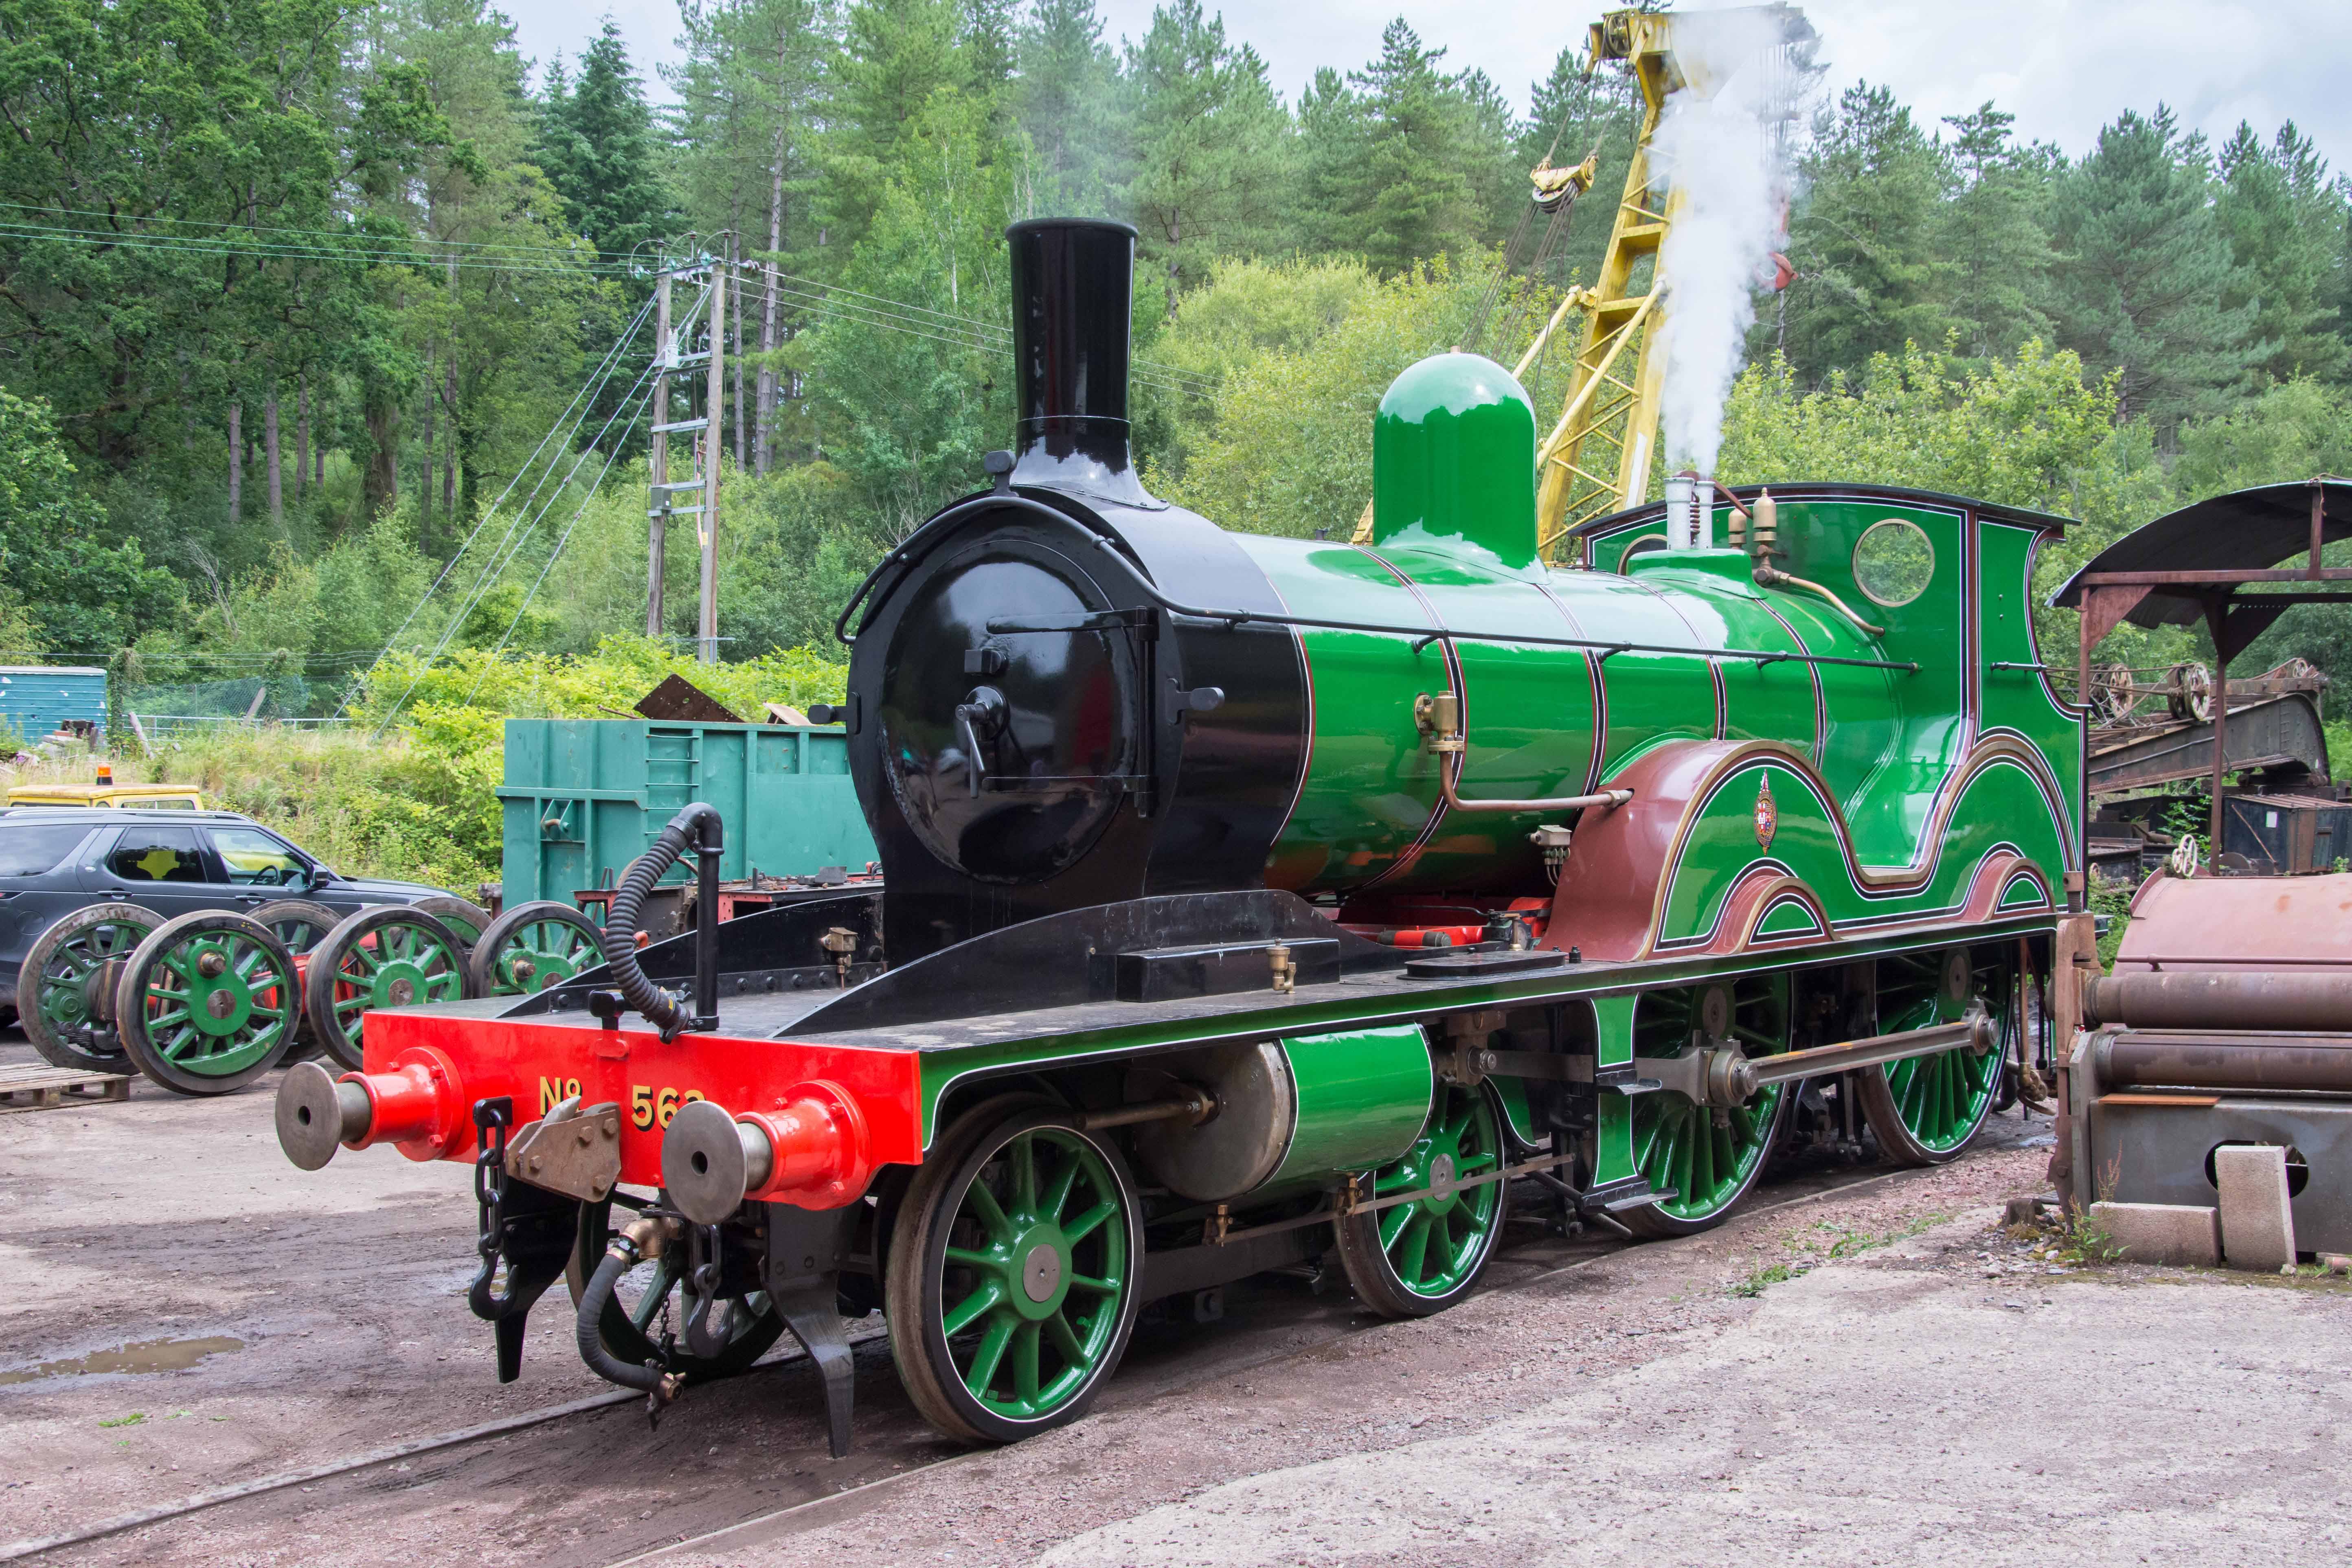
[[1212, 146], [1993, 230], [1069, 103], [1864, 237], [2145, 275], [897, 57], [2285, 218], [1397, 162], [598, 148]]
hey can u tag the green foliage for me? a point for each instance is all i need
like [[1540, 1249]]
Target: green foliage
[[1393, 155], [597, 145], [1212, 172], [1286, 445], [68, 590], [1867, 240], [2149, 278]]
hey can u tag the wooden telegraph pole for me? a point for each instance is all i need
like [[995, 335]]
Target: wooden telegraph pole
[[657, 534], [713, 460]]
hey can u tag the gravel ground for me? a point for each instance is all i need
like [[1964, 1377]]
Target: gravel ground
[[1134, 1483], [1597, 1400]]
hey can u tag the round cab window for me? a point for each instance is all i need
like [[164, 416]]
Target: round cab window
[[1892, 562]]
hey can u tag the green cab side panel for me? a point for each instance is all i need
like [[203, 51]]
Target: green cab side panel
[[1363, 1095]]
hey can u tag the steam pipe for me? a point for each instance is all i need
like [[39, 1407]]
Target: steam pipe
[[698, 825]]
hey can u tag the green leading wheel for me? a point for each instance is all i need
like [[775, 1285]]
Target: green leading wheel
[[1707, 1157], [1925, 1110], [1011, 1281], [389, 956], [1422, 1255], [58, 988], [644, 1319], [533, 946], [208, 1003]]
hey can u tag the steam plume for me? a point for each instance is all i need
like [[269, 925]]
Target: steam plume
[[1722, 148]]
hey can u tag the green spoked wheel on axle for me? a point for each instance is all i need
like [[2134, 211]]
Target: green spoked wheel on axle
[[1925, 1110], [208, 1002], [1707, 1157], [1013, 1272], [393, 955], [62, 996], [1422, 1255], [532, 947]]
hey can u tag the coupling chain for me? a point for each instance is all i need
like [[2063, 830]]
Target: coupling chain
[[491, 1119]]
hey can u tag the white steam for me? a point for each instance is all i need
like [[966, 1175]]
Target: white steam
[[1721, 150]]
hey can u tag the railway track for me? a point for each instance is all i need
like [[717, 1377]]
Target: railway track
[[601, 1438]]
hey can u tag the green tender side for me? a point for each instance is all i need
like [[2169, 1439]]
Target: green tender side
[[1363, 1095]]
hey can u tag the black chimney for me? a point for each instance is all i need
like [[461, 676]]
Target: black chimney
[[1073, 300]]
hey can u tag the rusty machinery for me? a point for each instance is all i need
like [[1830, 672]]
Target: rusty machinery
[[2227, 1019]]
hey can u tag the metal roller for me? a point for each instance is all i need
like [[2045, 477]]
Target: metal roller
[[2224, 1062], [2197, 999]]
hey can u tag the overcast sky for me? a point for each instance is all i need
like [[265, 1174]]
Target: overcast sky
[[2063, 68]]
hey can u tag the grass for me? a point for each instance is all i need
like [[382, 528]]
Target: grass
[[1756, 1283], [1824, 1242], [133, 1419]]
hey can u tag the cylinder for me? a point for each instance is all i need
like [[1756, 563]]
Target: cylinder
[[316, 1114], [2236, 1066], [811, 1151], [2199, 999], [419, 1102], [1073, 308], [1289, 1110]]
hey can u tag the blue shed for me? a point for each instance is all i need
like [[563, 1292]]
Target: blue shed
[[37, 699]]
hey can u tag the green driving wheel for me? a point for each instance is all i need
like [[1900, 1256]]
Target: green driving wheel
[[532, 947], [1924, 1110], [62, 996], [1422, 1255], [1707, 1157], [207, 1004], [393, 955], [1013, 1274]]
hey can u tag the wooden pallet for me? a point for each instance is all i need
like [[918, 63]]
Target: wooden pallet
[[44, 1087]]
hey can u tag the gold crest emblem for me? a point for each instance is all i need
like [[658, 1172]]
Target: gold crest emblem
[[1768, 816]]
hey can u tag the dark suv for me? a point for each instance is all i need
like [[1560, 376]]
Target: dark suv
[[57, 859]]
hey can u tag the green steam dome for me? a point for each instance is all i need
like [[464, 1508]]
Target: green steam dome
[[1454, 459]]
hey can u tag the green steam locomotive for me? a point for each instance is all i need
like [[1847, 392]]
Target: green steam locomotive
[[1255, 902]]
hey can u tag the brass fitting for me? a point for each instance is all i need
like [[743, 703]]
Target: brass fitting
[[642, 1239], [1439, 718]]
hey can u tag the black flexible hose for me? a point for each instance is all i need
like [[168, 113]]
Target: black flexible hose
[[698, 823], [589, 1326]]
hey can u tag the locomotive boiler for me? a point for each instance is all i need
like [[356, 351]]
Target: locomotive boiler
[[1257, 903]]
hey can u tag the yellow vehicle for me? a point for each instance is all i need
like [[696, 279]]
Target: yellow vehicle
[[106, 792]]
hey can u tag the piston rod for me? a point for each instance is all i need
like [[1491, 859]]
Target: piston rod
[[2195, 999]]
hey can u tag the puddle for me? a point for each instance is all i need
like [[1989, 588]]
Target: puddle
[[147, 1355]]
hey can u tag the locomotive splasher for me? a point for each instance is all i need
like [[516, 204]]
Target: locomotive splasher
[[1722, 846]]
